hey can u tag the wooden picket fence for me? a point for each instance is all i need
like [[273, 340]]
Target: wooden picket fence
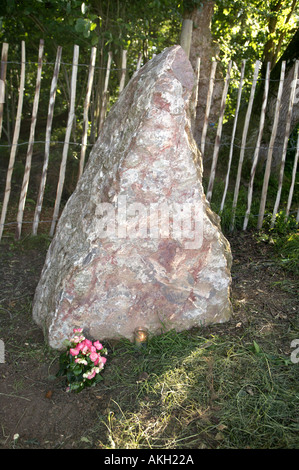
[[85, 142], [262, 207]]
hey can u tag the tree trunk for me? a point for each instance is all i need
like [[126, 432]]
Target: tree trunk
[[203, 46]]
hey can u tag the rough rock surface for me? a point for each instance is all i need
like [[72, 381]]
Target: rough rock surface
[[115, 262]]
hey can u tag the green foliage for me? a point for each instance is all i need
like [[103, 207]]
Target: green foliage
[[288, 249], [242, 28], [284, 236], [227, 213], [284, 226], [112, 25]]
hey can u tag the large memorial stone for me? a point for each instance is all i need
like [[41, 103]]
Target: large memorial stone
[[137, 243]]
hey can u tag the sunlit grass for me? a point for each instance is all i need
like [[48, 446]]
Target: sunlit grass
[[202, 392]]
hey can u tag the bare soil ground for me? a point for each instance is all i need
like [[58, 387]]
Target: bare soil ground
[[36, 410]]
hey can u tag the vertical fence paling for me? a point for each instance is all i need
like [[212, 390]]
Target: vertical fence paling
[[67, 140], [270, 149], [197, 75], [139, 61], [14, 142], [53, 89], [257, 147], [86, 108], [208, 107], [233, 135], [25, 183], [3, 70], [285, 143], [105, 92], [123, 71], [243, 143], [293, 179], [218, 134]]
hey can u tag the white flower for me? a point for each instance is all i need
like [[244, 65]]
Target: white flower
[[77, 339], [81, 361]]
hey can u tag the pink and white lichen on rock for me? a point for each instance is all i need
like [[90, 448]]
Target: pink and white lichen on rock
[[137, 243]]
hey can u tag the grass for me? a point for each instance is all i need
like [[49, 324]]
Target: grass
[[217, 391], [284, 237]]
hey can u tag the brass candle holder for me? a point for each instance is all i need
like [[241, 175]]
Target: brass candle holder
[[140, 337]]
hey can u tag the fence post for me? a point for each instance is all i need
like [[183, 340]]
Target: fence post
[[293, 179], [3, 80], [285, 143], [40, 197], [270, 149], [85, 111], [208, 107], [25, 183], [197, 75], [218, 134], [243, 143], [138, 62], [258, 144], [66, 140], [233, 136], [123, 71], [14, 142], [105, 92]]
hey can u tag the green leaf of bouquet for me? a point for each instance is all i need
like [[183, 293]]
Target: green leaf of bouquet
[[98, 378], [63, 357], [67, 343], [76, 387], [70, 376], [77, 370]]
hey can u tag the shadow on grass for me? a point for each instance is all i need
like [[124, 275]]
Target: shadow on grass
[[196, 390]]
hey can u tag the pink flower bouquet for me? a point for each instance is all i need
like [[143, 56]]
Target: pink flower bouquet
[[82, 362]]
